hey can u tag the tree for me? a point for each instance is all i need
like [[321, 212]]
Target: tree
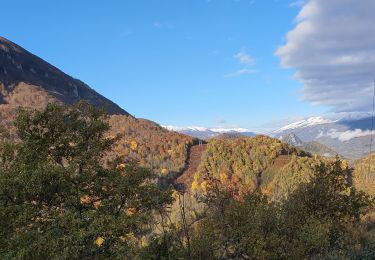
[[324, 215], [321, 219], [57, 200]]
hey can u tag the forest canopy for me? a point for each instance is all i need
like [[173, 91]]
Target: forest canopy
[[64, 195]]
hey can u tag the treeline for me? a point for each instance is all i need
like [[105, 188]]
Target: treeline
[[62, 197]]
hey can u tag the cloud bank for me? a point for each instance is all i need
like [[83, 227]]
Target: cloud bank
[[332, 49], [348, 135]]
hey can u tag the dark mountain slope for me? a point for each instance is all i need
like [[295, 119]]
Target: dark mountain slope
[[17, 65]]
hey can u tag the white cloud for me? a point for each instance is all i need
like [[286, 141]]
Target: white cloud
[[332, 49], [240, 73], [247, 61], [244, 58], [347, 135]]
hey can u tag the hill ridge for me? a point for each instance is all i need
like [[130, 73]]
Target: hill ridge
[[17, 65]]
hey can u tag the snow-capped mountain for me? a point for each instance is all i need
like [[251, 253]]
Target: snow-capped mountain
[[312, 121], [348, 134], [206, 133]]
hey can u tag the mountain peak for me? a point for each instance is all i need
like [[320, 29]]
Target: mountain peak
[[291, 139], [17, 65], [7, 46]]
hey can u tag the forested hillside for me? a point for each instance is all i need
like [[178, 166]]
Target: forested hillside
[[254, 198], [245, 164], [151, 145]]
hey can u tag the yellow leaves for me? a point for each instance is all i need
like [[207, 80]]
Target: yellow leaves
[[164, 171], [223, 177], [121, 166], [130, 212], [99, 241], [196, 176], [97, 204], [130, 236], [175, 194], [268, 190], [85, 199], [194, 185], [344, 164], [133, 145], [143, 242], [204, 186], [129, 239]]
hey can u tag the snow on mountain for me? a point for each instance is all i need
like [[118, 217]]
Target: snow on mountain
[[311, 121], [199, 128], [229, 130], [347, 133], [205, 133], [185, 128]]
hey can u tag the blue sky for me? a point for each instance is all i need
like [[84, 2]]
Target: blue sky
[[177, 62]]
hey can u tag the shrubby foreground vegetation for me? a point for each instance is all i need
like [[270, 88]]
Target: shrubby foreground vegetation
[[61, 197]]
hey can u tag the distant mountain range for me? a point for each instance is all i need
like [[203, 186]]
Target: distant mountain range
[[349, 135], [207, 133]]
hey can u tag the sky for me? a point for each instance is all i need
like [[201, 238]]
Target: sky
[[213, 63]]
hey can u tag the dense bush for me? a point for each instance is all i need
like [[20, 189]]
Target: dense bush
[[57, 201], [320, 219]]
